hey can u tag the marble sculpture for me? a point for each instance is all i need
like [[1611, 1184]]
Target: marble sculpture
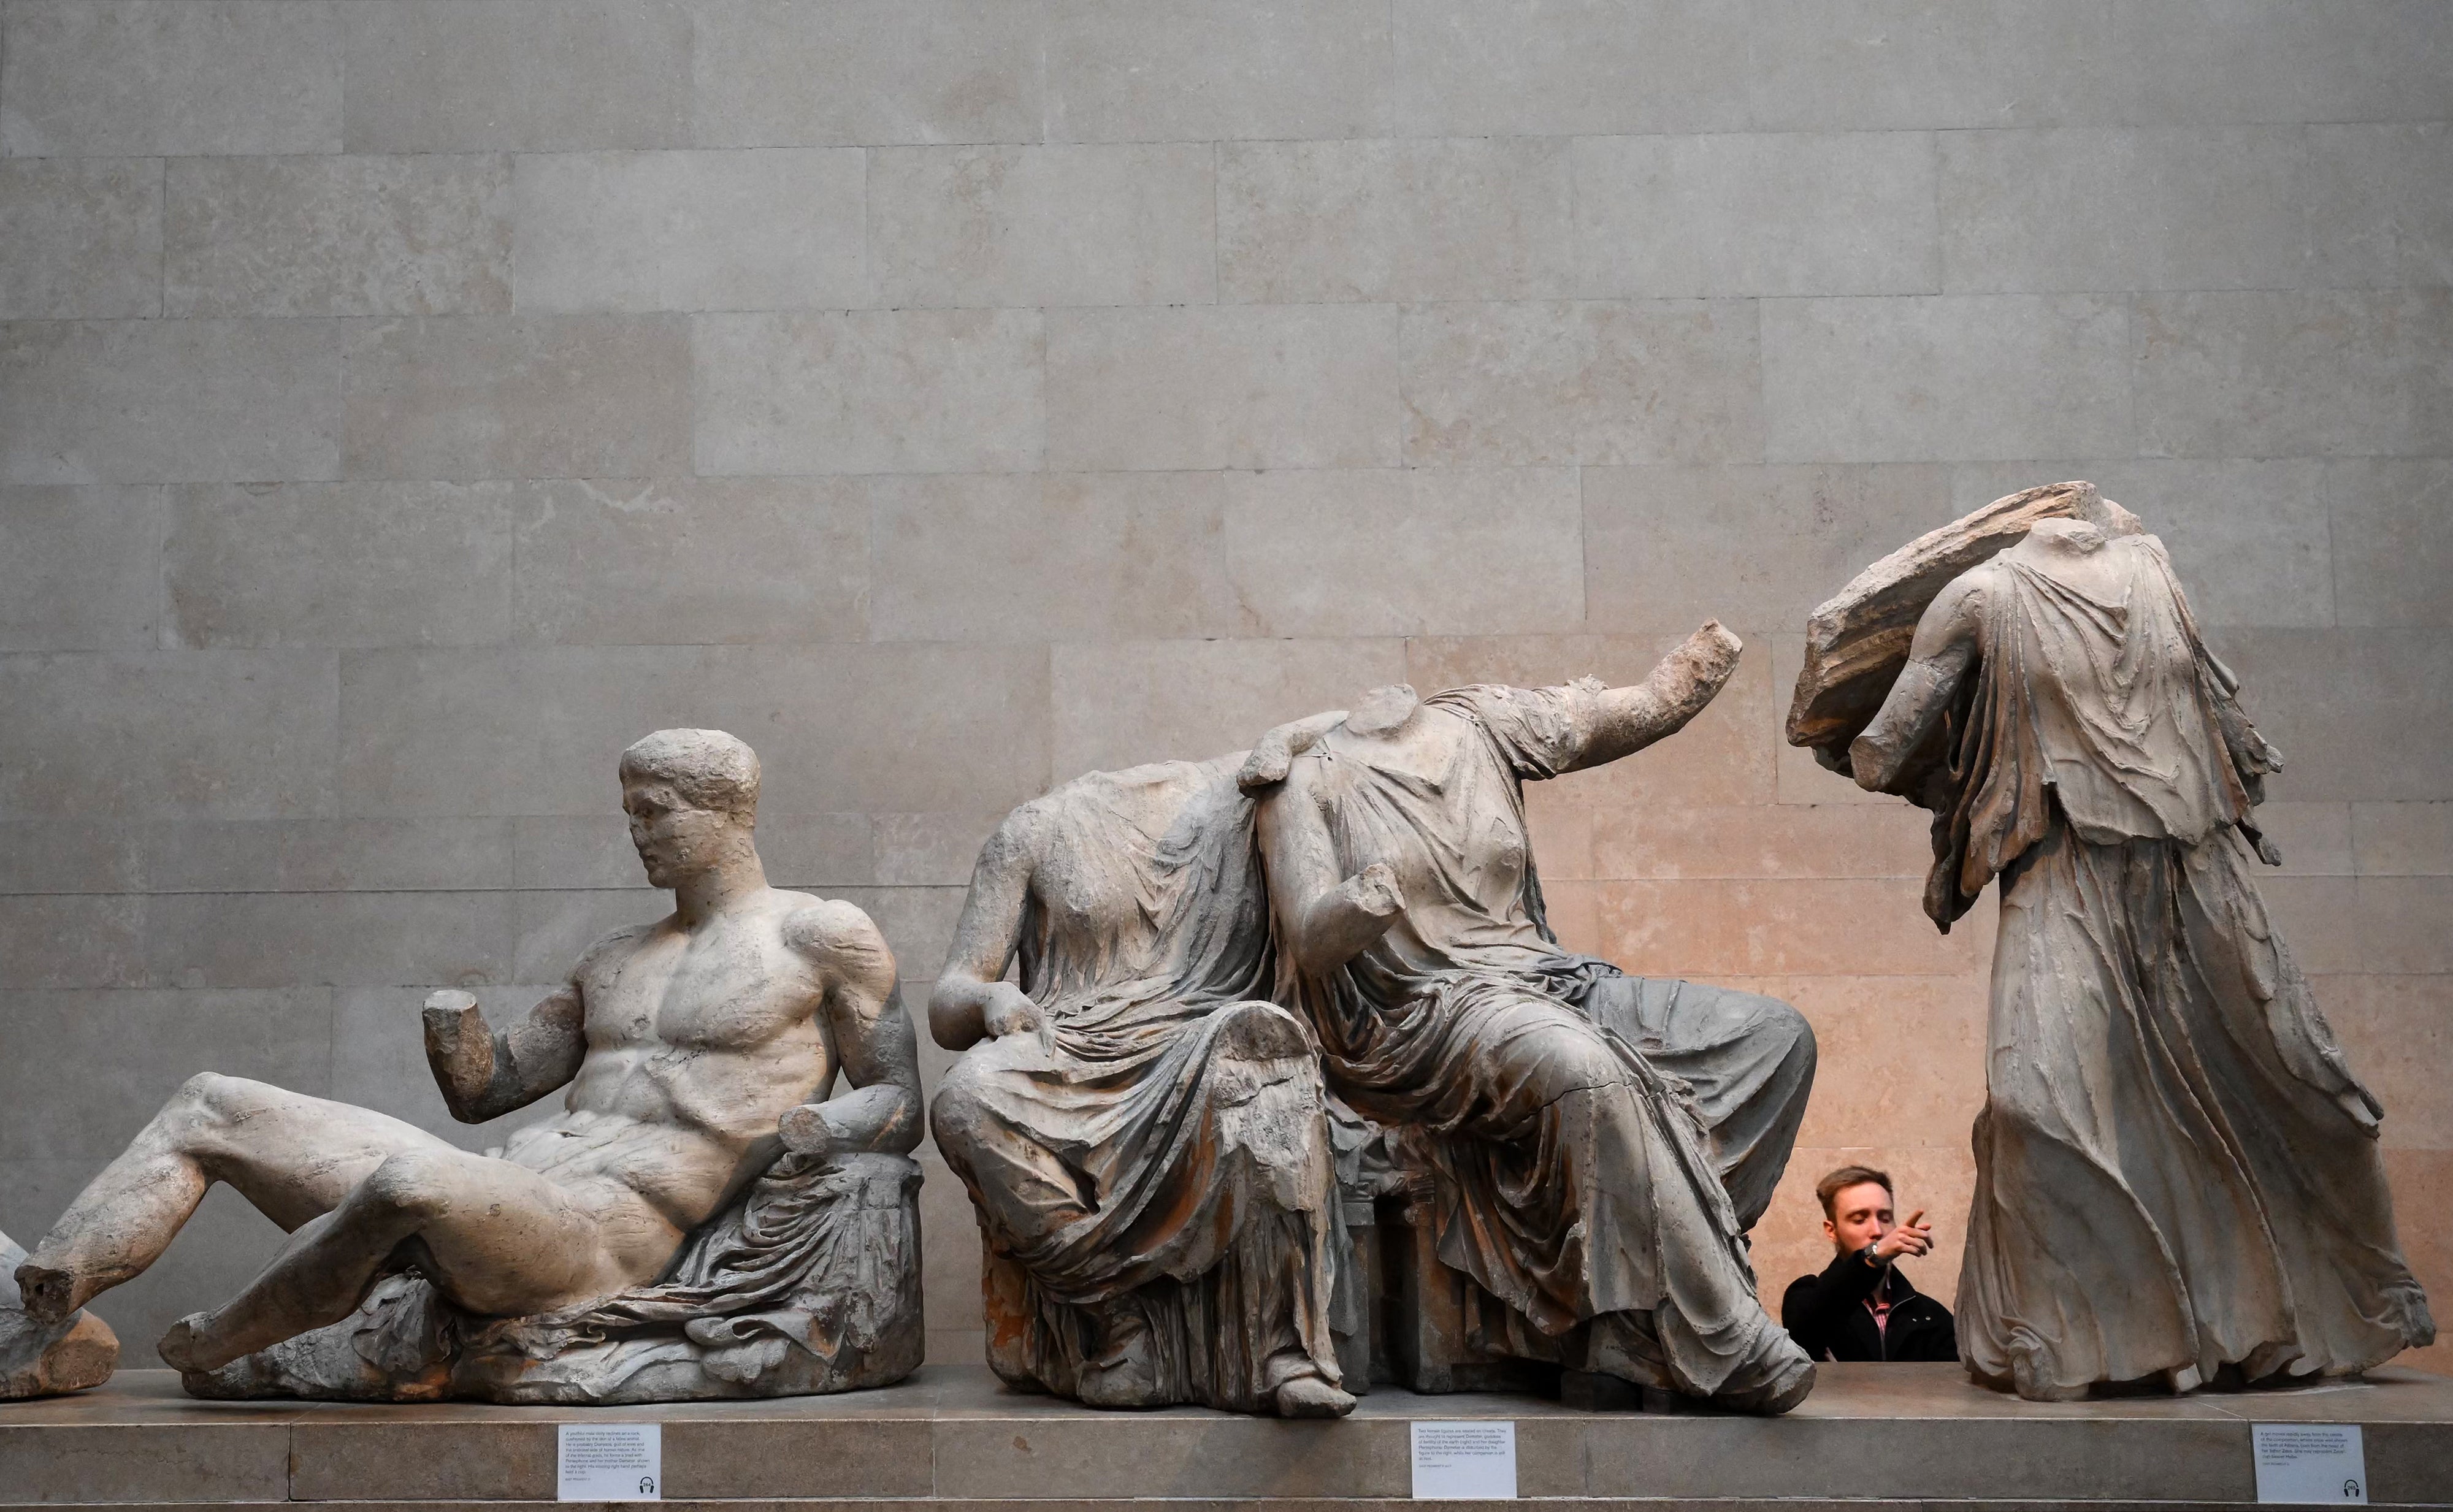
[[46, 1357], [701, 1218], [2177, 1174], [1140, 1130], [1595, 1144]]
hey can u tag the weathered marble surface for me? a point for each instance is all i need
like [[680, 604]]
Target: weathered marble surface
[[700, 1218], [45, 1359], [2177, 1176]]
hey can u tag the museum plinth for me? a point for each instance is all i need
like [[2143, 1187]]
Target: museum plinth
[[950, 1435]]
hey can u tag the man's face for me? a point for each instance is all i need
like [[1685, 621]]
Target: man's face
[[675, 841], [1860, 1215]]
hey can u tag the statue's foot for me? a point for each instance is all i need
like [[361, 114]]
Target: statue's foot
[[47, 1295], [188, 1346], [1311, 1397], [1125, 1375]]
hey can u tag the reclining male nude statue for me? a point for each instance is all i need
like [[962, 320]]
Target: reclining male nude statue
[[1597, 1145], [692, 1222], [1141, 1132]]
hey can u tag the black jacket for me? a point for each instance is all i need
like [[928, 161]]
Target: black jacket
[[1827, 1317]]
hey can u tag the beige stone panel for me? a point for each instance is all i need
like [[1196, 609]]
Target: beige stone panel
[[2405, 925], [337, 236], [2392, 554], [2251, 539], [2359, 714], [337, 564], [219, 1251], [538, 730], [930, 850], [951, 1261], [169, 401], [1773, 927], [2285, 373], [167, 735], [1052, 556], [1801, 779], [787, 73], [1415, 219], [127, 1053], [152, 76], [1122, 702], [692, 231], [1756, 547], [539, 76], [918, 924], [1408, 552], [1760, 840], [379, 1057], [2375, 203], [2422, 1202], [528, 396], [1469, 67], [1574, 910], [682, 561], [1675, 217], [2398, 1034], [576, 851], [1254, 386], [80, 568], [2110, 206], [1156, 71], [1128, 224], [326, 855], [1723, 756], [1899, 1059], [1560, 823], [2315, 838], [85, 238], [326, 939], [870, 391], [2215, 61], [61, 856], [1586, 382], [71, 939], [1895, 65], [2403, 839], [1940, 1179], [1947, 378], [2318, 919]]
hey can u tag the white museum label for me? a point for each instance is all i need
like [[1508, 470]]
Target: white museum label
[[2319, 1462], [1457, 1461], [610, 1462]]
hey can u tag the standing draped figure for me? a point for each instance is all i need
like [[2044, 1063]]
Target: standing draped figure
[[1142, 1133], [1597, 1143], [2177, 1173]]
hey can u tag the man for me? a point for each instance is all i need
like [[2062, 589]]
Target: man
[[691, 1047], [1140, 1132], [1861, 1306], [1595, 1144]]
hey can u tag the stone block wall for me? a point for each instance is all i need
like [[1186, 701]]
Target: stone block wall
[[403, 403]]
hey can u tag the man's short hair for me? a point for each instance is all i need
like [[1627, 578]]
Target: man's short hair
[[1829, 1188], [707, 768]]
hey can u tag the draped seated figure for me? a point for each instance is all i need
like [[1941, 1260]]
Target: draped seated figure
[[1595, 1145], [693, 1222], [1140, 1132]]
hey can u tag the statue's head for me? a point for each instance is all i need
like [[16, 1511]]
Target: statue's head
[[692, 798], [1384, 710]]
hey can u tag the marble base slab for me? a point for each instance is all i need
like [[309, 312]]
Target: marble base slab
[[949, 1434]]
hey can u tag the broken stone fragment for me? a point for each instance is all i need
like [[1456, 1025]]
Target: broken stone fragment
[[44, 1360]]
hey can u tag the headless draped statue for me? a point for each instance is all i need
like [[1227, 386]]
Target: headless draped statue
[[1595, 1144], [2177, 1173], [1140, 1132]]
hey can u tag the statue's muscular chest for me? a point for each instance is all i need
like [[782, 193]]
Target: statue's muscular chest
[[729, 989]]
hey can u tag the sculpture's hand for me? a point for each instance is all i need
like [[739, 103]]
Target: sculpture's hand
[[457, 1041], [1010, 1010], [1704, 661], [807, 1132], [1373, 892], [1273, 754]]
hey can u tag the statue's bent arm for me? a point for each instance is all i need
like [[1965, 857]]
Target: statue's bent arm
[[1628, 719], [1323, 919], [872, 1035], [485, 1075], [972, 986], [1939, 660]]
